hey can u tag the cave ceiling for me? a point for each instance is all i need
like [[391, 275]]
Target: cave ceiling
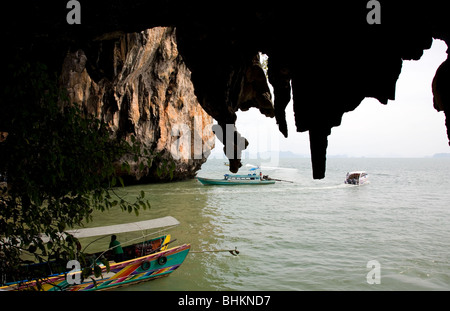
[[327, 55]]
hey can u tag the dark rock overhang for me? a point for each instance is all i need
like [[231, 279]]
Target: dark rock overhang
[[325, 53]]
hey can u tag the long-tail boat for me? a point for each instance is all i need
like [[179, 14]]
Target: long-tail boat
[[239, 179], [142, 262]]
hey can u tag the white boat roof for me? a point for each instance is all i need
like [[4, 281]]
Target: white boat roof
[[120, 228], [357, 172]]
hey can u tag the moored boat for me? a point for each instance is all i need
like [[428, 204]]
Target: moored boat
[[357, 178], [239, 179], [143, 261]]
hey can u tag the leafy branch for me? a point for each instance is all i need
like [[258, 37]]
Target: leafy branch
[[60, 165]]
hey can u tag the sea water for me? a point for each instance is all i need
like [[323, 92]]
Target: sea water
[[391, 234]]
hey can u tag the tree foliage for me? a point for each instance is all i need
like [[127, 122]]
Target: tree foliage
[[60, 165]]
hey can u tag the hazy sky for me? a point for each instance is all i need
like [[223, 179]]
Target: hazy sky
[[406, 127]]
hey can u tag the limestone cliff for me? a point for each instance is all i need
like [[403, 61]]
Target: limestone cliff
[[148, 93]]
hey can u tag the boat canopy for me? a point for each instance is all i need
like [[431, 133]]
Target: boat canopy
[[167, 221], [357, 172]]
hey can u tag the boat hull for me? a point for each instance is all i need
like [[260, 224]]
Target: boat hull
[[358, 178], [124, 273], [225, 182]]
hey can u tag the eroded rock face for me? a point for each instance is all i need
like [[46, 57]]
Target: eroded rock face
[[325, 53], [325, 57], [147, 93]]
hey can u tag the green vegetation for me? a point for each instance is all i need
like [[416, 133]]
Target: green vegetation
[[59, 165]]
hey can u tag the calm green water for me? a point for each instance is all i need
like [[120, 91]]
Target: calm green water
[[307, 235]]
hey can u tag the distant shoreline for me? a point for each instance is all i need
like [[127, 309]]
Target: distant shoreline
[[292, 155]]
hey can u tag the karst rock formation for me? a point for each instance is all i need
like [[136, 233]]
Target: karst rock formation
[[327, 55], [148, 94]]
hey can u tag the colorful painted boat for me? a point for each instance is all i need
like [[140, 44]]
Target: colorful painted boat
[[144, 261]]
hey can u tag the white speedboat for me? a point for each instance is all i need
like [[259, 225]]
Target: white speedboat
[[357, 178]]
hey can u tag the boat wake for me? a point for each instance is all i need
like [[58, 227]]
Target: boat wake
[[340, 186], [271, 167]]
